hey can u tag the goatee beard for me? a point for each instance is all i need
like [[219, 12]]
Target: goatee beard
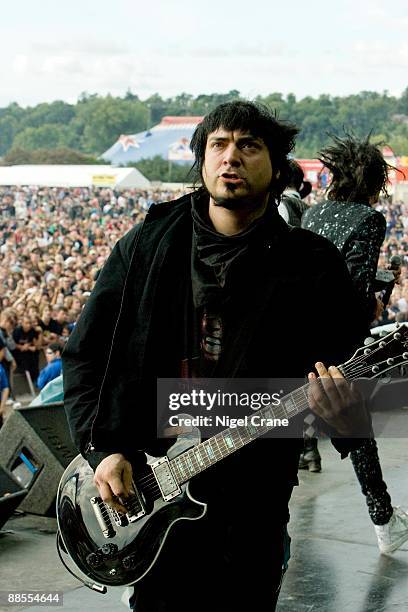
[[237, 203]]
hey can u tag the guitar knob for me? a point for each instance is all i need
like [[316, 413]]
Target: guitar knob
[[130, 562], [109, 550], [375, 369], [94, 560]]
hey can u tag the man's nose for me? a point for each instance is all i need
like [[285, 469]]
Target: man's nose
[[232, 155]]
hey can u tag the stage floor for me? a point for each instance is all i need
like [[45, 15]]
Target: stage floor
[[335, 566]]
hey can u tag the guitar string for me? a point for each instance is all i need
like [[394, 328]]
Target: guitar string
[[361, 359], [150, 479]]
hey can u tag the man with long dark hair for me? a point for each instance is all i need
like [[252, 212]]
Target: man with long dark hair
[[359, 174], [194, 292]]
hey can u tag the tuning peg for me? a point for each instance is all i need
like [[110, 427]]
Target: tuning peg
[[375, 369], [368, 340]]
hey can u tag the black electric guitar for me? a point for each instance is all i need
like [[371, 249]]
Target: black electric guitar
[[111, 549]]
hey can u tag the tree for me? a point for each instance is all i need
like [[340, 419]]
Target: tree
[[56, 113], [159, 169], [18, 156], [48, 136], [95, 122], [103, 120]]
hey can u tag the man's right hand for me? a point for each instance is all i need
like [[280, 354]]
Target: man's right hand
[[113, 477]]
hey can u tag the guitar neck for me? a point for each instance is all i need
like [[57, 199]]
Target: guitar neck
[[369, 361], [207, 453]]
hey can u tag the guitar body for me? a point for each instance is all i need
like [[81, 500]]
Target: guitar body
[[114, 550], [132, 548]]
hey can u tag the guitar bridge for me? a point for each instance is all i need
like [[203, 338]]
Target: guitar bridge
[[168, 485], [135, 510], [103, 518]]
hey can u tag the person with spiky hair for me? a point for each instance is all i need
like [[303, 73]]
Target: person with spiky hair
[[359, 174]]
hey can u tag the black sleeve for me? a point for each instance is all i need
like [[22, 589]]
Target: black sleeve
[[85, 355], [361, 254], [343, 317]]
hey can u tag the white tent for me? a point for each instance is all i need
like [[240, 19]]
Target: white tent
[[73, 176]]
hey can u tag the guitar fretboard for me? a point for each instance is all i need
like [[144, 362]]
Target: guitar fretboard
[[368, 361], [207, 453]]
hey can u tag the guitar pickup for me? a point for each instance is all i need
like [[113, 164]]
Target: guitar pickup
[[135, 506], [168, 485]]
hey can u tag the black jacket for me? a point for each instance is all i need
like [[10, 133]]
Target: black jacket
[[294, 306], [358, 231]]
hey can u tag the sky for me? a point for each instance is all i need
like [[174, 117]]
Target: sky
[[56, 50]]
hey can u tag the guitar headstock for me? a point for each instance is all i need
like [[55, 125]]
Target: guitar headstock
[[379, 356]]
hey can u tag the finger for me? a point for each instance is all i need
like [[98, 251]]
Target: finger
[[342, 386], [108, 497], [316, 397], [319, 403], [329, 387], [128, 479], [321, 369], [117, 485]]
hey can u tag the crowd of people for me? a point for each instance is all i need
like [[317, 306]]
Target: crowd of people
[[395, 243], [53, 242]]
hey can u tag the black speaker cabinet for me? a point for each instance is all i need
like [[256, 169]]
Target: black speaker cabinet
[[36, 447], [11, 495]]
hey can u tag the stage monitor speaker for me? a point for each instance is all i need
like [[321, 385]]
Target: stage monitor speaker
[[36, 447], [11, 495]]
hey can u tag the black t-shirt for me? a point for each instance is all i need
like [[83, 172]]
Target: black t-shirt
[[22, 337], [53, 327]]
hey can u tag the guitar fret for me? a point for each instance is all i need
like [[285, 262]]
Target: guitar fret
[[243, 434], [236, 437], [194, 461], [268, 413], [197, 455], [229, 441], [218, 449], [181, 468], [209, 450], [189, 462], [221, 445], [290, 405], [176, 471], [306, 396]]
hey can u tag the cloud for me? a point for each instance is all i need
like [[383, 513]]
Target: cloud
[[77, 45], [65, 70], [259, 50]]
